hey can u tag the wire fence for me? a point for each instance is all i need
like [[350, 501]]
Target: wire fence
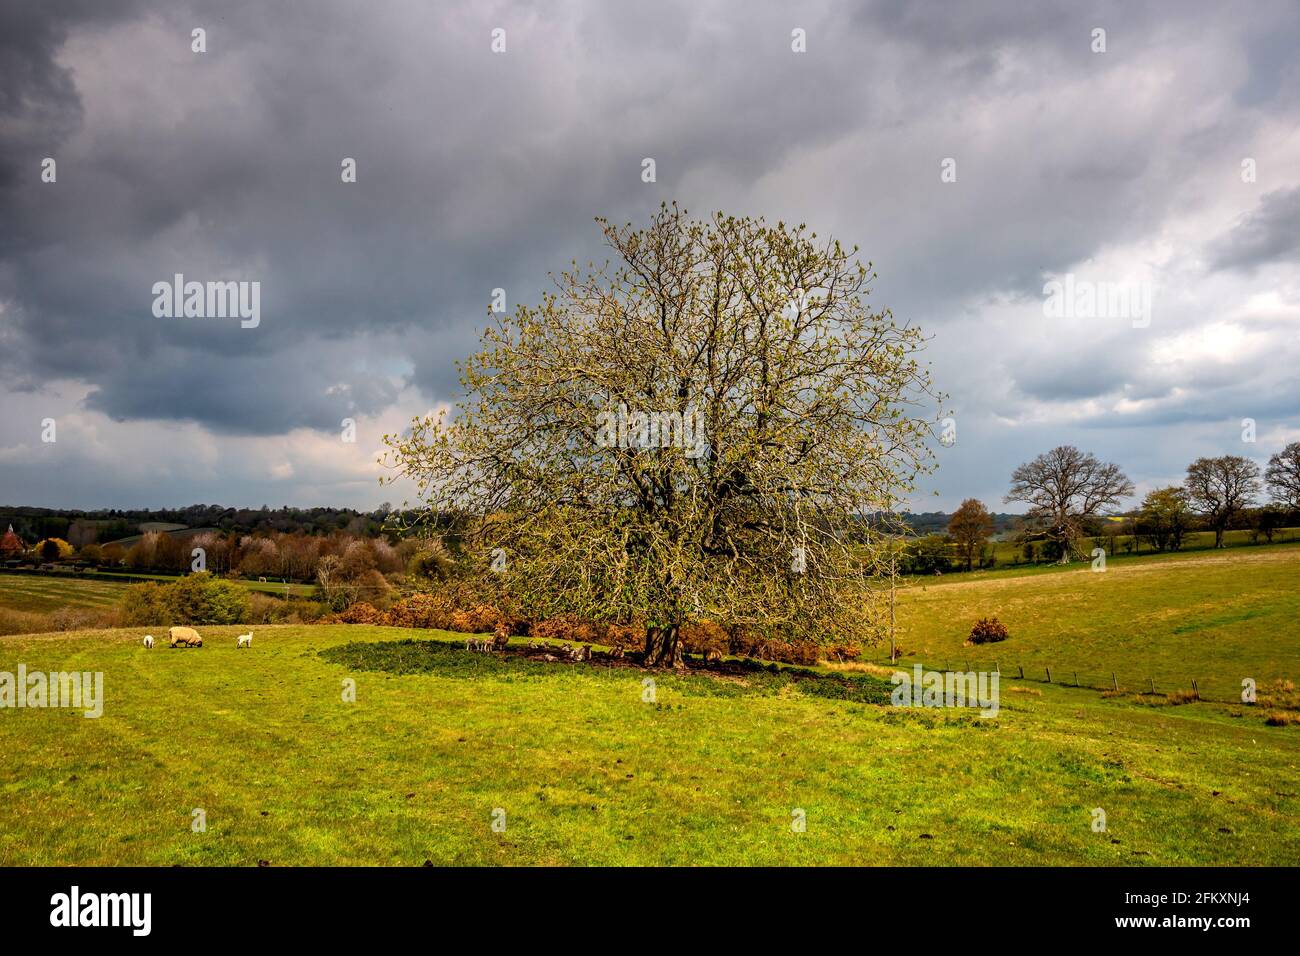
[[1213, 689]]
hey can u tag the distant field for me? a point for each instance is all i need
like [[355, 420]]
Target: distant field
[[1008, 553], [45, 593], [266, 587], [98, 589], [1217, 617], [163, 527], [27, 601]]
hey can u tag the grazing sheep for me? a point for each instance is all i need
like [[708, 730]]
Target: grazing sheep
[[501, 638], [244, 640], [185, 637], [148, 641]]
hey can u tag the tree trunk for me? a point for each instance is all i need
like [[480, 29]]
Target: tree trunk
[[1218, 537], [662, 648]]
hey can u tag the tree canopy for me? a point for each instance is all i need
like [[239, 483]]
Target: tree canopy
[[1063, 488], [701, 430]]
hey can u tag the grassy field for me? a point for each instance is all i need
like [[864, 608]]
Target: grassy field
[[45, 593], [48, 592], [1213, 617], [587, 772], [710, 772], [277, 588]]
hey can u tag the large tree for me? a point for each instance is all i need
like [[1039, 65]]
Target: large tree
[[1164, 518], [1220, 488], [1283, 476], [705, 429], [1064, 488], [970, 526]]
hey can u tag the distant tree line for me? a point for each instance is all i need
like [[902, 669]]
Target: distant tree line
[[1072, 497], [80, 527]]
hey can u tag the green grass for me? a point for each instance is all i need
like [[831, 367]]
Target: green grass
[[589, 773], [1214, 617]]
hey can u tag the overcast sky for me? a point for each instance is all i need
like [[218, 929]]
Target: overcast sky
[[478, 170]]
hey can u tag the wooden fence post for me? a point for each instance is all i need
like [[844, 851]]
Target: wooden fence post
[[1113, 682], [1153, 684], [1022, 671], [1196, 691], [1076, 678], [1049, 674]]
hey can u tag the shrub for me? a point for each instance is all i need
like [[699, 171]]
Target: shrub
[[842, 652], [477, 619], [360, 613], [420, 610], [196, 599], [789, 652], [23, 622], [625, 635], [927, 555], [374, 589], [80, 619], [53, 549], [432, 562], [306, 612], [568, 628], [743, 642], [145, 604], [706, 638], [987, 630], [203, 599], [264, 609]]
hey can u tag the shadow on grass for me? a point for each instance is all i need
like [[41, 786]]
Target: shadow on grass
[[719, 679]]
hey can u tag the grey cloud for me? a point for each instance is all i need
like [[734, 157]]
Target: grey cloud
[[479, 171], [1269, 233]]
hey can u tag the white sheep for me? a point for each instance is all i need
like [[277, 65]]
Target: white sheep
[[245, 640], [148, 641]]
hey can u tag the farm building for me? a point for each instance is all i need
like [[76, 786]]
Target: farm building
[[11, 544]]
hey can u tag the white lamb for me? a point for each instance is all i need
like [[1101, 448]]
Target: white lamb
[[148, 640], [245, 640]]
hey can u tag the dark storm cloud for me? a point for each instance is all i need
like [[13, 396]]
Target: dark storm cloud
[[479, 171], [38, 97], [244, 394], [1269, 233]]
